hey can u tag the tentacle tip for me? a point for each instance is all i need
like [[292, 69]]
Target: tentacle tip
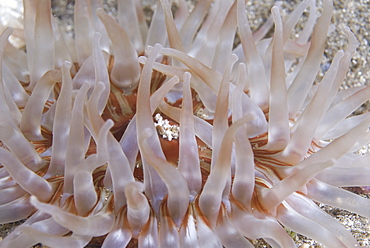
[[33, 200]]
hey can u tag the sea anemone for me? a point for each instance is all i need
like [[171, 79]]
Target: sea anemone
[[174, 135]]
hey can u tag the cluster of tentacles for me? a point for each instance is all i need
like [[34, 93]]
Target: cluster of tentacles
[[170, 136]]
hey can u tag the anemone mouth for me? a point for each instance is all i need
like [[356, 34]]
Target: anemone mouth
[[169, 135]]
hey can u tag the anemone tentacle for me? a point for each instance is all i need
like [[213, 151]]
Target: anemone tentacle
[[186, 141]]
